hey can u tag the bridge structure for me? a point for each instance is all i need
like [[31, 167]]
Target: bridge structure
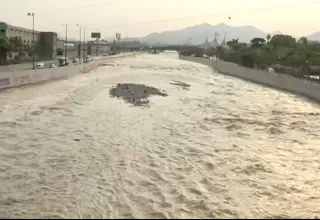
[[177, 48]]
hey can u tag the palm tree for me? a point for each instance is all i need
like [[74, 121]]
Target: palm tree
[[268, 38], [232, 43], [235, 41]]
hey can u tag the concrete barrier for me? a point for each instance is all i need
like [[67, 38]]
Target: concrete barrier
[[20, 78], [286, 82]]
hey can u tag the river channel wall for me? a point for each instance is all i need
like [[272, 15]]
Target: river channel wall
[[276, 80], [24, 77]]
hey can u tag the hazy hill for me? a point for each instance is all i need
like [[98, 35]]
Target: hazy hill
[[275, 33], [314, 37], [197, 34]]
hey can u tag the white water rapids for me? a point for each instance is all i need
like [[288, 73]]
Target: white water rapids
[[222, 148]]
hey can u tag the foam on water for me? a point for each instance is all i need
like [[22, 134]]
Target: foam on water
[[221, 148]]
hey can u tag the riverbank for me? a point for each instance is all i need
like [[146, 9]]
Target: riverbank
[[285, 82], [12, 79]]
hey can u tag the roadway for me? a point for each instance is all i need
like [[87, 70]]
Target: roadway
[[24, 66], [28, 66]]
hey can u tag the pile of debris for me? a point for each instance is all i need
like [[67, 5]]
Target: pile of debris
[[135, 94]]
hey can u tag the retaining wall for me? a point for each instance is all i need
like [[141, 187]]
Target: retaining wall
[[277, 80], [19, 78]]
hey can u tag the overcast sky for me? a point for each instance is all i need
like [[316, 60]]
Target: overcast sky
[[103, 14]]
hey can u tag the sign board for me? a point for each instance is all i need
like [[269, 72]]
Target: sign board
[[118, 36], [95, 35]]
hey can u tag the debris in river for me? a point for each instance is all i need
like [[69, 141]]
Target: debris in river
[[135, 94], [106, 64], [179, 83]]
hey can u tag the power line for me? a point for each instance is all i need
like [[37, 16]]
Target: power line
[[215, 14], [81, 7]]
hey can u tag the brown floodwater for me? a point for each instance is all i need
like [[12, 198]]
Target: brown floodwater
[[212, 147]]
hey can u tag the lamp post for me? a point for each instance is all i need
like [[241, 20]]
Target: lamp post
[[66, 44], [84, 43], [79, 44], [98, 31], [33, 50]]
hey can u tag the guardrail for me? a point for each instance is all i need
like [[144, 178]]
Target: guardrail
[[20, 78], [307, 88]]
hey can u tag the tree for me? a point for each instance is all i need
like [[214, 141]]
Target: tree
[[268, 38], [233, 41], [4, 49], [235, 45], [18, 43], [257, 42], [283, 40], [303, 41], [248, 60]]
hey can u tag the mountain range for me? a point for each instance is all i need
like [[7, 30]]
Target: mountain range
[[197, 34]]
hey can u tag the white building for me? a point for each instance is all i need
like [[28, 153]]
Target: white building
[[26, 35]]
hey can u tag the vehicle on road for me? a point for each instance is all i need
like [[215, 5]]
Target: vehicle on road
[[75, 61], [40, 65], [52, 65], [63, 62], [88, 59]]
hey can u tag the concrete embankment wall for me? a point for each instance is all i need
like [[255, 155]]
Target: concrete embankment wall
[[19, 78], [280, 81]]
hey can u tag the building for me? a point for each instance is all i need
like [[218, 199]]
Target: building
[[26, 35], [72, 49], [45, 42], [48, 45], [97, 48], [75, 49]]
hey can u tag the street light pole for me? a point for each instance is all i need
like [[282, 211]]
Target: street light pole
[[66, 44], [98, 31], [33, 48], [84, 43], [79, 44]]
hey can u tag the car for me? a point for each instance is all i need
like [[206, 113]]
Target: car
[[52, 65], [63, 62], [40, 65], [75, 61], [88, 59]]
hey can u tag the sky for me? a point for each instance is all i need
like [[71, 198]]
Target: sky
[[131, 17]]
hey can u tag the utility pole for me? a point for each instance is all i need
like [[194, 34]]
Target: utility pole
[[84, 43], [33, 48], [126, 40], [79, 44], [66, 44], [98, 43]]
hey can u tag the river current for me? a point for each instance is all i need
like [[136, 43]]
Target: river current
[[221, 148]]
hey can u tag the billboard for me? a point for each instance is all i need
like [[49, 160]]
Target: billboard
[[118, 36], [95, 35]]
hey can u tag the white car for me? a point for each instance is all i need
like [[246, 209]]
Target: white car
[[40, 65], [88, 58], [52, 66]]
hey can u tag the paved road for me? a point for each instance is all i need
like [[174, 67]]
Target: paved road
[[24, 66]]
